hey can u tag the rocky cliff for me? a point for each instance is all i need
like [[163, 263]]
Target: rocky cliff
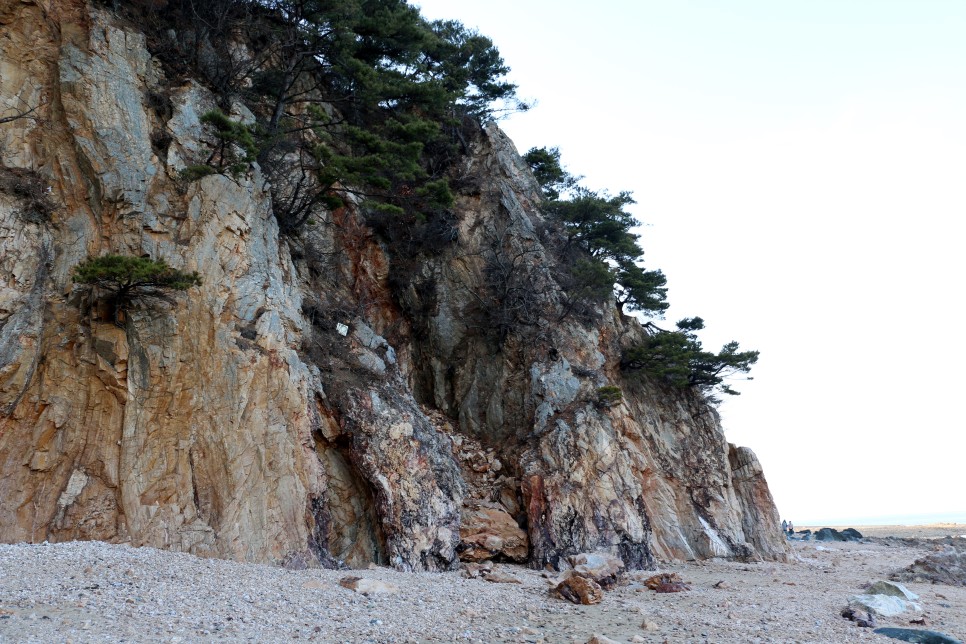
[[242, 420]]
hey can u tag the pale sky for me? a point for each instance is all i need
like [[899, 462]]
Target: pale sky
[[800, 167]]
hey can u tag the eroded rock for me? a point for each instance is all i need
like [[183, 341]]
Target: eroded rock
[[918, 636], [884, 605], [368, 586], [489, 531], [499, 576], [948, 566], [238, 421], [579, 590], [601, 639], [603, 568], [892, 588]]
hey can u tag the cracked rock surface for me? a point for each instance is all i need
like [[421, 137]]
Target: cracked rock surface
[[295, 409]]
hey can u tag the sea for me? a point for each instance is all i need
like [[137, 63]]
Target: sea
[[895, 519]]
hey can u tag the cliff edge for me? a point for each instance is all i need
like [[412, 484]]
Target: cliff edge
[[324, 397]]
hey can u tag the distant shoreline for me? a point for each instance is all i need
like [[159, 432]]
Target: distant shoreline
[[958, 517], [926, 531]]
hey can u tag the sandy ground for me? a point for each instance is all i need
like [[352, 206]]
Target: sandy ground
[[94, 592]]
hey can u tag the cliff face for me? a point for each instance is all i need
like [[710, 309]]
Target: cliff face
[[238, 421]]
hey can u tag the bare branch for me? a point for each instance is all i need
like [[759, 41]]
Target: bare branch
[[21, 114]]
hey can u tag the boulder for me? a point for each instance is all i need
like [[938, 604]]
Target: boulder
[[667, 583], [368, 586], [851, 534], [472, 570], [884, 605], [862, 618], [488, 532], [945, 567], [917, 635], [603, 568], [579, 590], [893, 589], [829, 534], [501, 577]]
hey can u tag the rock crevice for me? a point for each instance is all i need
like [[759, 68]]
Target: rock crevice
[[322, 398]]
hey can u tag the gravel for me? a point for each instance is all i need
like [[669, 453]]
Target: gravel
[[97, 592], [92, 591]]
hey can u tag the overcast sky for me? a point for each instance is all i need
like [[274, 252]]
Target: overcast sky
[[800, 168]]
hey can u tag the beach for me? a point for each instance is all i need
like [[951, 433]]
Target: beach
[[96, 592]]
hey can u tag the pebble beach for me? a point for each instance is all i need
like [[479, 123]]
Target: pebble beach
[[97, 592]]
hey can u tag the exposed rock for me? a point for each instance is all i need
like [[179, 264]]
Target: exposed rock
[[368, 586], [487, 532], [603, 568], [884, 605], [672, 587], [501, 577], [487, 571], [831, 534], [579, 590], [892, 588], [945, 567], [828, 534], [238, 421], [917, 635], [416, 484], [601, 639], [472, 570], [757, 506], [666, 583], [662, 470], [170, 451], [862, 618]]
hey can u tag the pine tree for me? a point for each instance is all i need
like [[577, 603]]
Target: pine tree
[[127, 279], [678, 359]]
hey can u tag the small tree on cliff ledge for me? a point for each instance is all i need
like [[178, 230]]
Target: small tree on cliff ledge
[[678, 359], [128, 278]]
